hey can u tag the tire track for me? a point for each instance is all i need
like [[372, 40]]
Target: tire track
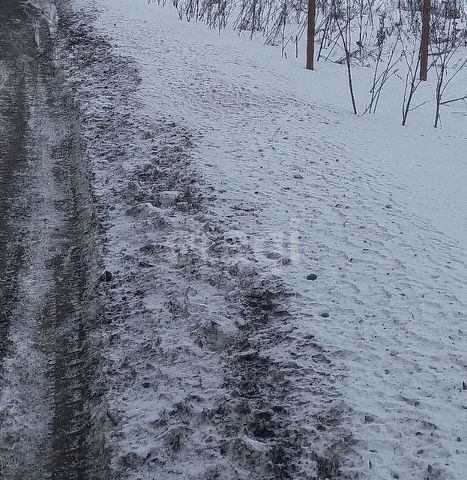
[[13, 126], [51, 412]]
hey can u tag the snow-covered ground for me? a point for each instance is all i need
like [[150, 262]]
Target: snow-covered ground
[[289, 280]]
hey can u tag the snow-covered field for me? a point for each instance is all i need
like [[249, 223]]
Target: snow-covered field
[[288, 280]]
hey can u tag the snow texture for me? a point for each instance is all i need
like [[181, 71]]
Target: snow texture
[[288, 288]]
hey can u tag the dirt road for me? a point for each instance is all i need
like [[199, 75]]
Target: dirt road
[[49, 258]]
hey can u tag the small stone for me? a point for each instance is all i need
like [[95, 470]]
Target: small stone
[[464, 386], [324, 314], [369, 418], [108, 276], [312, 276]]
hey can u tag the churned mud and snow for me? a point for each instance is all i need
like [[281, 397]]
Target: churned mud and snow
[[50, 301], [227, 275]]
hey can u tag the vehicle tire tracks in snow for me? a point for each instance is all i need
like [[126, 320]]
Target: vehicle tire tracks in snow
[[49, 401]]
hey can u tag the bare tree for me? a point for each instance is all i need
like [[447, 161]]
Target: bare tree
[[447, 41], [411, 81], [386, 63], [342, 17]]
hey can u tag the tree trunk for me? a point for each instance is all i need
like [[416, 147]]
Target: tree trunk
[[310, 49], [425, 40]]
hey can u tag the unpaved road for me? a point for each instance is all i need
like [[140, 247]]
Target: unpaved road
[[49, 263]]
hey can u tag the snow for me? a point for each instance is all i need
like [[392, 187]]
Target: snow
[[246, 174]]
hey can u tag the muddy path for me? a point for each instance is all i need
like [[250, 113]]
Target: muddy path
[[13, 126], [50, 305]]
